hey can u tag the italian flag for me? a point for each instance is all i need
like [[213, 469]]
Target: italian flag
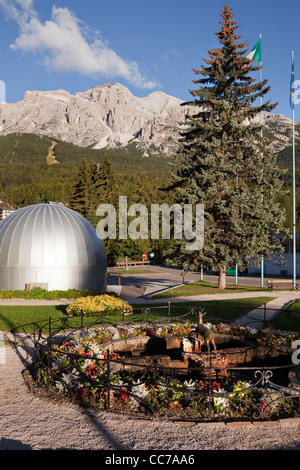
[[255, 54]]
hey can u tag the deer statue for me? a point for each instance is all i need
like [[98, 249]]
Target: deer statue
[[204, 334]]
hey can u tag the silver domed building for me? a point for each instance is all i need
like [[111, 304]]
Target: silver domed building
[[52, 245]]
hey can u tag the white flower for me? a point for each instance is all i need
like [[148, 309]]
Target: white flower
[[77, 340], [272, 398], [116, 335], [220, 398], [96, 350], [190, 385], [253, 331], [69, 379], [140, 391]]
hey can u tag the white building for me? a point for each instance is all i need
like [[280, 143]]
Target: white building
[[277, 266], [5, 210]]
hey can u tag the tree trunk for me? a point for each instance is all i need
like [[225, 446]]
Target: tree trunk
[[222, 278]]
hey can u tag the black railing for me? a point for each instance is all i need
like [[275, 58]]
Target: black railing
[[66, 359]]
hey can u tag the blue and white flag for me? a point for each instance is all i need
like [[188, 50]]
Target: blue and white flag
[[292, 104]]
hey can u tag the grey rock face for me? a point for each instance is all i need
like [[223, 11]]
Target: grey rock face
[[109, 115], [105, 116]]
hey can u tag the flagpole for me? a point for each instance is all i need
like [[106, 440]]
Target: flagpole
[[294, 184], [262, 194], [236, 265]]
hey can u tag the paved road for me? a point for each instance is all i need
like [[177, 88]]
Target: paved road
[[156, 279]]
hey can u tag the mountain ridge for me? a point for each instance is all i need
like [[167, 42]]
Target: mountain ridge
[[110, 116]]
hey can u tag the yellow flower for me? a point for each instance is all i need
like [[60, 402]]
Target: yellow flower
[[99, 303]]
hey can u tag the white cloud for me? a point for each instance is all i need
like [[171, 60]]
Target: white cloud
[[18, 10], [64, 44]]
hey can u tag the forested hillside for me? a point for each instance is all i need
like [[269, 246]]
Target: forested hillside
[[26, 177], [30, 148]]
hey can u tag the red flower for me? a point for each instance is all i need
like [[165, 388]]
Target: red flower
[[215, 386], [81, 392], [123, 396]]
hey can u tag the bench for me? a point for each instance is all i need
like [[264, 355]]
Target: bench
[[272, 282], [131, 263]]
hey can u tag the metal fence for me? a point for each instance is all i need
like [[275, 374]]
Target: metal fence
[[91, 373]]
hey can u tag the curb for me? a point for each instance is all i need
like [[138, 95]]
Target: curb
[[230, 424], [278, 423]]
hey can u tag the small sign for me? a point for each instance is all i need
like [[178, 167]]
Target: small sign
[[144, 255]]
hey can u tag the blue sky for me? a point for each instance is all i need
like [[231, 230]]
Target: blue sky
[[146, 46]]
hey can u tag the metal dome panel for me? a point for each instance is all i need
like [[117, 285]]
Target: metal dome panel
[[49, 243]]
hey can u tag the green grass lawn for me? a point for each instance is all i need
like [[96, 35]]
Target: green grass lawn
[[29, 318], [288, 319], [203, 287], [226, 310]]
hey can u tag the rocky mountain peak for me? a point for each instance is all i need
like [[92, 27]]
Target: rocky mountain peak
[[110, 115]]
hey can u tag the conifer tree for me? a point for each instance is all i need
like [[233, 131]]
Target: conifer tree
[[104, 188], [226, 163], [94, 184], [80, 199], [104, 184]]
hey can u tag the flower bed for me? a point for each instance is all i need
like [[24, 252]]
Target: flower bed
[[40, 293], [83, 369], [264, 336]]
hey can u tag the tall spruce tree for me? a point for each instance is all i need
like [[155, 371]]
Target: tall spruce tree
[[226, 163], [105, 185], [80, 200]]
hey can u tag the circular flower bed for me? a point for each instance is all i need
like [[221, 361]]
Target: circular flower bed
[[82, 368]]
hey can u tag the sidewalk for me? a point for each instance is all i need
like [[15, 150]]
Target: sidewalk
[[254, 319]]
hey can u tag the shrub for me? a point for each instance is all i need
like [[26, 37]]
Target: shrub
[[108, 303]]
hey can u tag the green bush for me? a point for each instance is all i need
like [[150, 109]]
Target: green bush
[[40, 293]]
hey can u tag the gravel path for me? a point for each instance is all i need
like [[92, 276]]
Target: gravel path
[[29, 422]]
